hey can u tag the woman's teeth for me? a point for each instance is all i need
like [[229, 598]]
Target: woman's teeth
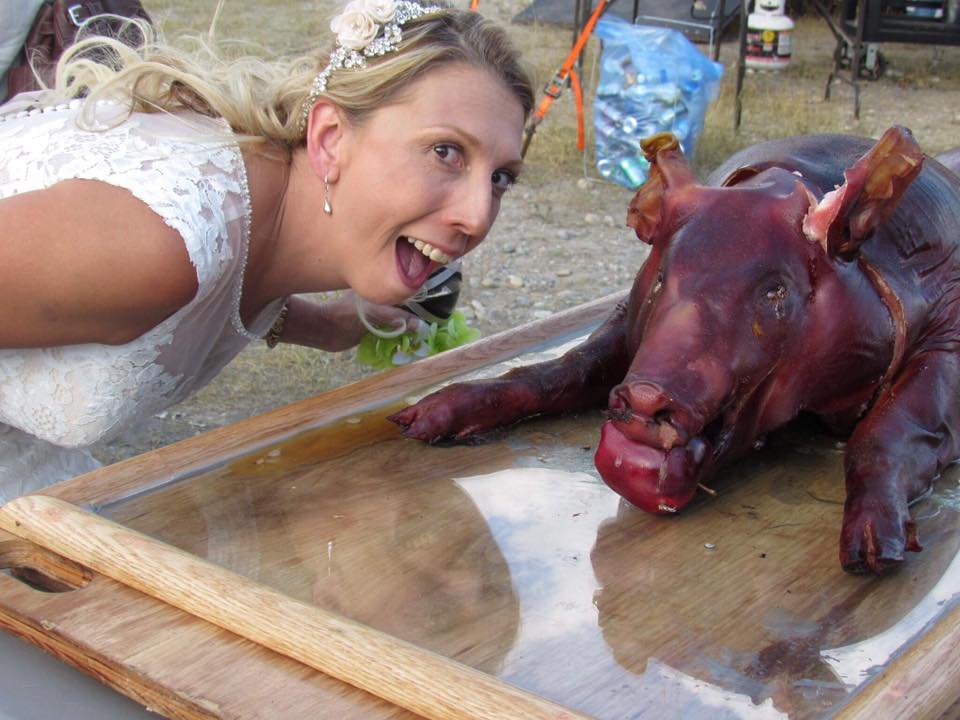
[[430, 251]]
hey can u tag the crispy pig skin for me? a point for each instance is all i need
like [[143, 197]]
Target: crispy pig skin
[[812, 274]]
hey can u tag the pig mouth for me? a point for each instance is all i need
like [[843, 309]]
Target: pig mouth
[[655, 464]]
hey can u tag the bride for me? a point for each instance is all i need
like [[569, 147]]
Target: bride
[[163, 208]]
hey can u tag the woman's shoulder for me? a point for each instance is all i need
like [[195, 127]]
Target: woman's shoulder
[[186, 167], [85, 261]]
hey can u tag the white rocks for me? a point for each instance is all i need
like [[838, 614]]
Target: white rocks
[[479, 310]]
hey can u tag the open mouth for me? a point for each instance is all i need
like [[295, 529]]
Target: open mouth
[[654, 465], [416, 259], [657, 460], [654, 479]]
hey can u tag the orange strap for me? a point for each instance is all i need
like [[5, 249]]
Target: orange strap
[[554, 88], [474, 4], [578, 102]]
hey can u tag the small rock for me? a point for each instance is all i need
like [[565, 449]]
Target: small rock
[[583, 184], [564, 234], [564, 272], [608, 220], [590, 219], [515, 281], [710, 546], [508, 249], [478, 309], [489, 282]]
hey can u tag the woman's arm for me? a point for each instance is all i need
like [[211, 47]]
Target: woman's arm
[[84, 261], [334, 325]]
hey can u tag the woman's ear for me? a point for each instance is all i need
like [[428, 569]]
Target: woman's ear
[[325, 131]]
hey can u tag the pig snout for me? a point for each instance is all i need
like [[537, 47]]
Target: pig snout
[[646, 413], [649, 451]]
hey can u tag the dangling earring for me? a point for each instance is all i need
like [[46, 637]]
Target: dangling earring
[[326, 197]]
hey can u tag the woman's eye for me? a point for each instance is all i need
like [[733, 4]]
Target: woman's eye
[[449, 154], [502, 180]]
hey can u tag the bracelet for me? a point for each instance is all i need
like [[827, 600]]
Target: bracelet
[[276, 330]]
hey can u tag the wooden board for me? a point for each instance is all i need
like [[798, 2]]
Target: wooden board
[[510, 557]]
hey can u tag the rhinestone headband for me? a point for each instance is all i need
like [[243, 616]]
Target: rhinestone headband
[[365, 29]]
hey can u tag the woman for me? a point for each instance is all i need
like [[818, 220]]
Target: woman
[[154, 228]]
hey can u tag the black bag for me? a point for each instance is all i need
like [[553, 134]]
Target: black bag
[[55, 29]]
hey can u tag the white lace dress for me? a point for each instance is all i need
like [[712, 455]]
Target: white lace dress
[[54, 402]]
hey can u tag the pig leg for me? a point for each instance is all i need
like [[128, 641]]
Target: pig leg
[[893, 457], [579, 379]]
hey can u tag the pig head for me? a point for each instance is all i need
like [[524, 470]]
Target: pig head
[[811, 274], [751, 307]]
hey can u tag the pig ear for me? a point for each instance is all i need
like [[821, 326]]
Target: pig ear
[[668, 171], [873, 186]]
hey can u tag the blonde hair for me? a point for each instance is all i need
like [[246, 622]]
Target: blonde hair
[[264, 100]]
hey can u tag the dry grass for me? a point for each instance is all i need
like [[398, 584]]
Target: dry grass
[[775, 104]]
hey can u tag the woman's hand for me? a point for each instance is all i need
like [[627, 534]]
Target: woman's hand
[[334, 326]]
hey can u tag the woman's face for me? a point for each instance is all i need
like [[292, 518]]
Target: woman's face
[[421, 180]]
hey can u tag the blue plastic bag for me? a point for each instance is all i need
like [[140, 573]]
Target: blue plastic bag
[[652, 79]]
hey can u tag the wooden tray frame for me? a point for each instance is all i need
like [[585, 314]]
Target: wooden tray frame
[[923, 681]]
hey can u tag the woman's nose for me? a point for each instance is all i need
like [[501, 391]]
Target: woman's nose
[[475, 210]]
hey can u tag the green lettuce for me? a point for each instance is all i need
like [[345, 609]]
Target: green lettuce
[[430, 339]]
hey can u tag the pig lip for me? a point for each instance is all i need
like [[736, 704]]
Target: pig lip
[[656, 479]]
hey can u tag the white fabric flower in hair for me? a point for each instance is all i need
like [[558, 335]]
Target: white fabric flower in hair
[[382, 11], [354, 27]]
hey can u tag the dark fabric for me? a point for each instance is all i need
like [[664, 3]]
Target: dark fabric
[[694, 19], [55, 29]]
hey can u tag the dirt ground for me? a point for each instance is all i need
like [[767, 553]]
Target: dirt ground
[[560, 239]]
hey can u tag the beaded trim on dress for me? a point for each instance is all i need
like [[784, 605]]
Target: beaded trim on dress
[[235, 318]]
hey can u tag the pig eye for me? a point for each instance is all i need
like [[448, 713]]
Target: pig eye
[[777, 292], [776, 295]]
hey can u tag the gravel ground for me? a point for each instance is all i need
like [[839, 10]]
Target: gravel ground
[[560, 239]]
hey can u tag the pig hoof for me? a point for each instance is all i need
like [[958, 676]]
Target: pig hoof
[[874, 538], [428, 427]]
